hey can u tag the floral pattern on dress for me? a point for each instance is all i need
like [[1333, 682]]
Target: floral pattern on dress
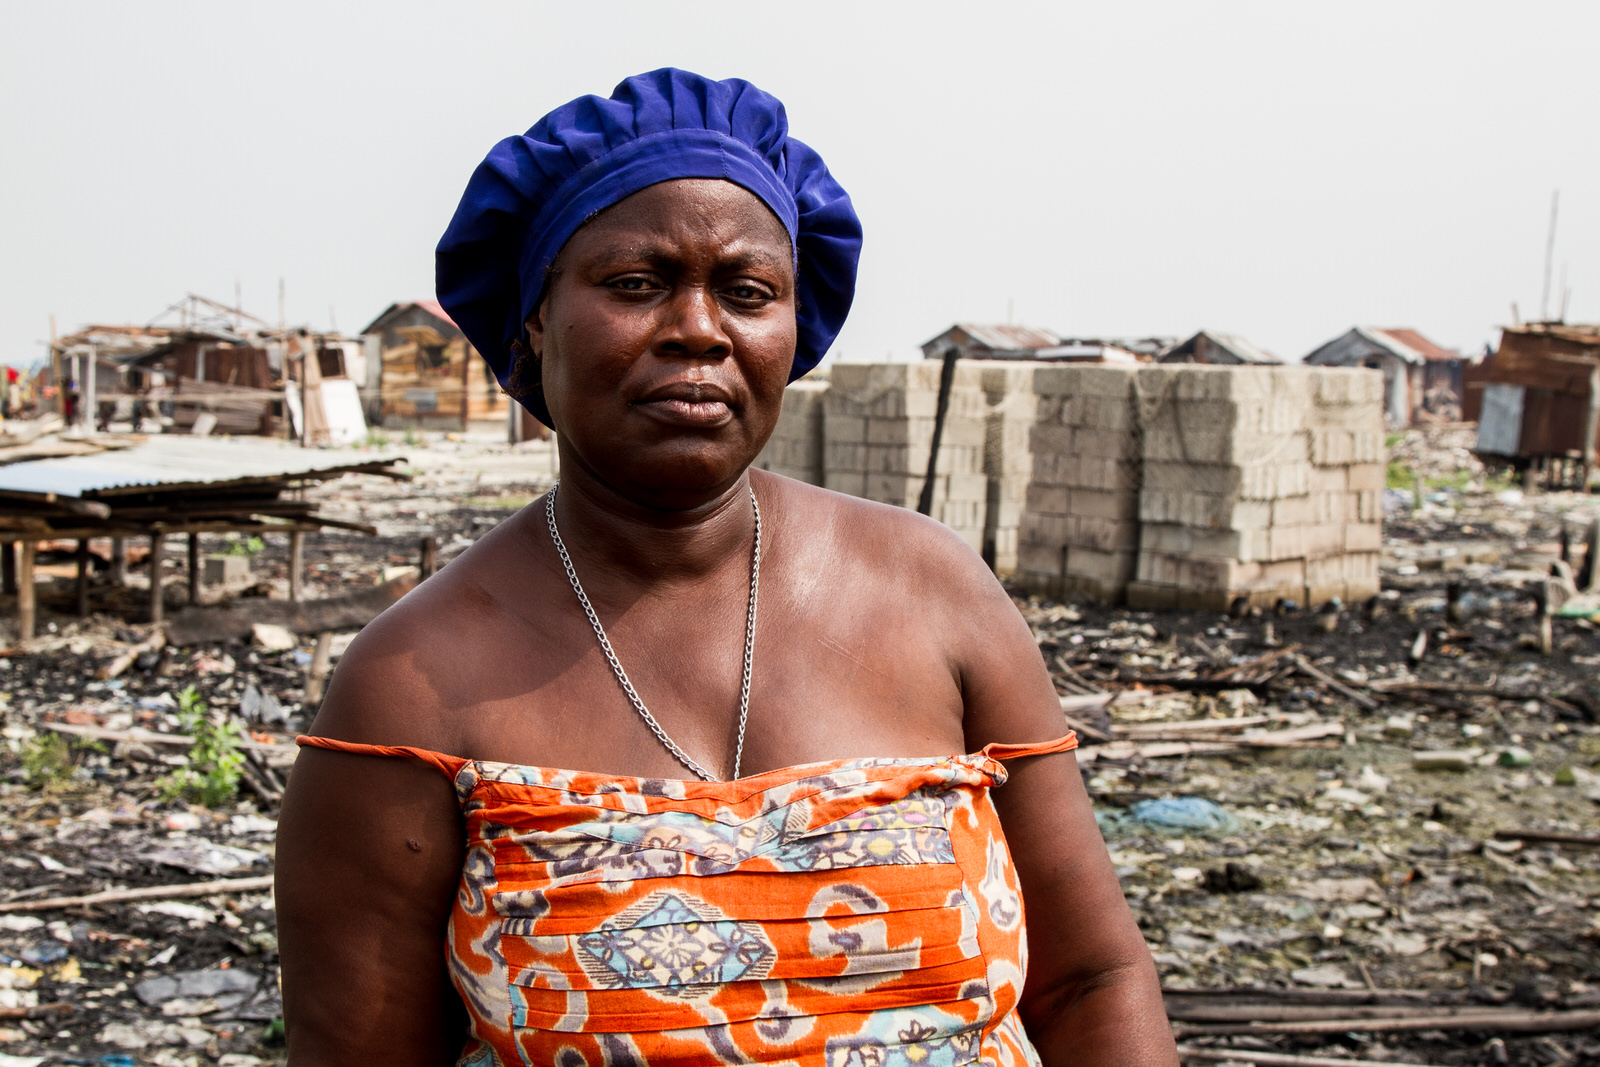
[[861, 913]]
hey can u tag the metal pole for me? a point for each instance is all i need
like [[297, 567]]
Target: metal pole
[[947, 375]]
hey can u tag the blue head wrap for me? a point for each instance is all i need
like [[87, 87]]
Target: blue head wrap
[[531, 193]]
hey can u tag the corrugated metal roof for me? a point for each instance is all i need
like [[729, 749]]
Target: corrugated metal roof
[[1419, 344], [1009, 338], [166, 462]]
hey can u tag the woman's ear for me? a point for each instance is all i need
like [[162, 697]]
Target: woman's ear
[[535, 329]]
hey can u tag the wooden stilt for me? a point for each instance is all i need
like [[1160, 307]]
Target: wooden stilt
[[297, 565], [83, 578], [194, 568], [430, 556], [119, 561], [156, 545], [27, 595]]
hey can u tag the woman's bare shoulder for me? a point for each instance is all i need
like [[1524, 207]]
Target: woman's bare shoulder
[[886, 549], [410, 674]]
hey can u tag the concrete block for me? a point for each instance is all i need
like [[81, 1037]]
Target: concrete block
[[845, 429], [1116, 567], [1047, 499], [1367, 477], [215, 570], [1328, 480], [1104, 535], [1330, 448], [851, 483], [902, 490], [1152, 596], [1107, 444], [1050, 439], [1040, 558], [844, 456], [1302, 542], [1363, 537], [1039, 528], [964, 486]]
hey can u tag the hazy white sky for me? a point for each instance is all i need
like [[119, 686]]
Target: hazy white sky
[[1280, 171]]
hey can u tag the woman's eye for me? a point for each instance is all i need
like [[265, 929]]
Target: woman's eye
[[631, 284]]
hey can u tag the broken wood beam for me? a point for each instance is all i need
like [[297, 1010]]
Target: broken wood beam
[[1304, 666], [152, 892], [1501, 1020], [236, 620], [1196, 1054], [1543, 838], [38, 1011], [123, 660]]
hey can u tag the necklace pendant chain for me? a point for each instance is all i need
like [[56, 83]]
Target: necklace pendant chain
[[622, 676]]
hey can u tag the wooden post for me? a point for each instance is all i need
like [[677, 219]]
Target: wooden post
[[194, 568], [297, 565], [119, 561], [430, 556], [156, 539], [27, 595], [317, 671], [83, 578], [8, 567]]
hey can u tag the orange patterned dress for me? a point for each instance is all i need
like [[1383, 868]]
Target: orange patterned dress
[[860, 913]]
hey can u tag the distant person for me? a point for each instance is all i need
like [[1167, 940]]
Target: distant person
[[700, 765]]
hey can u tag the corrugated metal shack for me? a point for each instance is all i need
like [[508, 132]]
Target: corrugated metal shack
[[161, 486], [1220, 349], [1418, 375], [1536, 401], [432, 377], [969, 340]]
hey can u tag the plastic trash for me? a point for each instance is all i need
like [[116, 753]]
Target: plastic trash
[[1170, 815]]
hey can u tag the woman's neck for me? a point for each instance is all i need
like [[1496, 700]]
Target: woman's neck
[[666, 538]]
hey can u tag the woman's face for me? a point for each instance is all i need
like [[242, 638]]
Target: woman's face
[[666, 336]]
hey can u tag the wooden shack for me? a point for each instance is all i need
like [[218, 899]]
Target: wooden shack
[[1536, 400], [432, 377]]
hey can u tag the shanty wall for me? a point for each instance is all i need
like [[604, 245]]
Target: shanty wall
[[1161, 486]]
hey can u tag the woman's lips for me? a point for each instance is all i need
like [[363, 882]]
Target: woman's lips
[[688, 404], [679, 412]]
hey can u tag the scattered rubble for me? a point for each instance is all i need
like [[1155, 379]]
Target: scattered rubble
[[1358, 835]]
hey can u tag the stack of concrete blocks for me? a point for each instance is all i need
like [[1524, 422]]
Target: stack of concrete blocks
[[1261, 483], [878, 430], [1079, 531], [1008, 392], [795, 447]]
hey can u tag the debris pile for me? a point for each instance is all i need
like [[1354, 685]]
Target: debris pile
[[1362, 835]]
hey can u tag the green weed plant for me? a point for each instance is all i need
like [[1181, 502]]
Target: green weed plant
[[216, 755]]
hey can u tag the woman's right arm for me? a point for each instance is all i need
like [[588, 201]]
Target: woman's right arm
[[369, 856]]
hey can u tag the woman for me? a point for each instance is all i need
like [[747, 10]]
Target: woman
[[770, 849]]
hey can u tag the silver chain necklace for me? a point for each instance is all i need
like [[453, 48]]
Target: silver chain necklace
[[616, 665]]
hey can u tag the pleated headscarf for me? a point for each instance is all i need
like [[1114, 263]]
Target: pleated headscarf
[[531, 193]]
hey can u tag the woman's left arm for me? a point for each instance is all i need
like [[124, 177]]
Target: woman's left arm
[[1092, 998]]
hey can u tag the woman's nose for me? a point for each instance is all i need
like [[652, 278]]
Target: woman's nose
[[692, 325]]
